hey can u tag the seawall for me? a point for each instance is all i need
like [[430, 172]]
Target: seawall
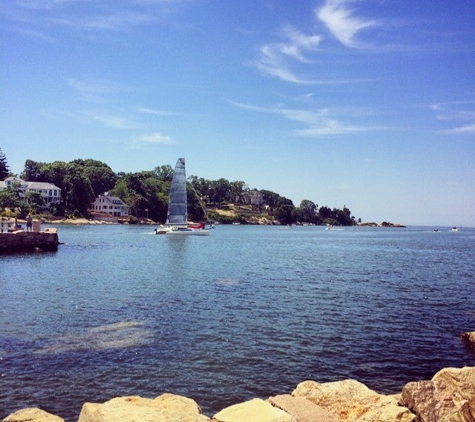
[[25, 241]]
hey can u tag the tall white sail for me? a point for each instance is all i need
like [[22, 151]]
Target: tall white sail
[[177, 205]]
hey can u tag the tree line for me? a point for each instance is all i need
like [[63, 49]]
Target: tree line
[[146, 194]]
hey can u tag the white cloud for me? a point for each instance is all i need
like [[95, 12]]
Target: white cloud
[[153, 138], [319, 122], [43, 4], [96, 91], [113, 121], [274, 57], [116, 22], [146, 110], [456, 111], [342, 23], [464, 130]]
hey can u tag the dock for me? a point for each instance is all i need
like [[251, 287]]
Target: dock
[[14, 238]]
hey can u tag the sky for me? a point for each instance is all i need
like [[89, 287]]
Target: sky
[[368, 104]]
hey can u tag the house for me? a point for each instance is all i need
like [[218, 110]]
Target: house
[[50, 193], [252, 197], [7, 225], [112, 205]]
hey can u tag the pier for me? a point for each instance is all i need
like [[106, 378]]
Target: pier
[[14, 238]]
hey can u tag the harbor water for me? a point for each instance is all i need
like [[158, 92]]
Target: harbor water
[[249, 311]]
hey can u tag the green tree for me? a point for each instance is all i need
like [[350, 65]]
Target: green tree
[[77, 195], [344, 217], [202, 188], [100, 175], [325, 212], [220, 191], [270, 198], [9, 198], [35, 201], [236, 189], [4, 169], [102, 179], [80, 195], [308, 211], [32, 171], [284, 213], [164, 173]]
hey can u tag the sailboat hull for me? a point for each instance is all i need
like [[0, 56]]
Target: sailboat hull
[[174, 231]]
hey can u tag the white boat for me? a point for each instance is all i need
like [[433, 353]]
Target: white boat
[[177, 216], [455, 229]]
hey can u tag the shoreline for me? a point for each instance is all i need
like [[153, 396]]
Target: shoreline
[[448, 396]]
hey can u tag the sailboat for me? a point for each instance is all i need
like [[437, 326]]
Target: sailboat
[[177, 215]]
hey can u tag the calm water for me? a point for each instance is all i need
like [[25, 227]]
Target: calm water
[[246, 312]]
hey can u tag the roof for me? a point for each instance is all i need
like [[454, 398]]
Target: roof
[[29, 185], [112, 199]]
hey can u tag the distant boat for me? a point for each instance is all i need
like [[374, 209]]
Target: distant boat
[[436, 230], [177, 216], [455, 229]]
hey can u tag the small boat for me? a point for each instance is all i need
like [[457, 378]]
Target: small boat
[[177, 216], [436, 230], [455, 229]]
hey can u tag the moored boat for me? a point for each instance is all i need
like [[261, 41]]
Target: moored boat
[[177, 216]]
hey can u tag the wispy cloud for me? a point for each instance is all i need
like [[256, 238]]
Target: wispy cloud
[[340, 19], [113, 121], [154, 112], [457, 111], [464, 130], [155, 138], [36, 34], [92, 16], [96, 91], [44, 4], [275, 58], [319, 122], [116, 21]]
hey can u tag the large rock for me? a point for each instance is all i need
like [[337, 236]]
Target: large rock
[[351, 400], [165, 408], [256, 410], [469, 340], [301, 409], [32, 415], [448, 397]]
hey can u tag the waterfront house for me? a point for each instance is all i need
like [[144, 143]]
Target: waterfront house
[[50, 193], [7, 225], [111, 205]]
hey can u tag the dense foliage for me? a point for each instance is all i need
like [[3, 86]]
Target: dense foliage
[[4, 170], [146, 194]]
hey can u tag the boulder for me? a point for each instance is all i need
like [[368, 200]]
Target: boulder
[[448, 397], [32, 414], [165, 408], [301, 409], [256, 410], [469, 340], [351, 400]]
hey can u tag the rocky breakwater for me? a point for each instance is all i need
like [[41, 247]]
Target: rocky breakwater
[[448, 397], [29, 241]]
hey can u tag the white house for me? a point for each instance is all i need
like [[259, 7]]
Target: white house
[[7, 225], [49, 192], [111, 205]]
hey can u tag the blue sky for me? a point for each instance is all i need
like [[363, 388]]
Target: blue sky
[[363, 103]]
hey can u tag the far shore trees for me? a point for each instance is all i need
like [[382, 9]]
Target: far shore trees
[[146, 193]]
